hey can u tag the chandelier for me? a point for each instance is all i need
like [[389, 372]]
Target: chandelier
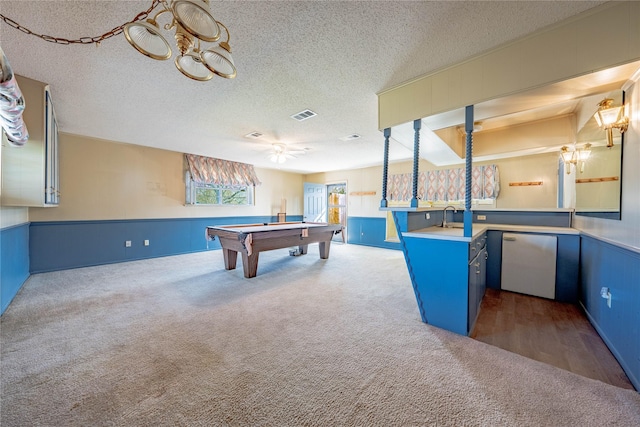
[[193, 25]]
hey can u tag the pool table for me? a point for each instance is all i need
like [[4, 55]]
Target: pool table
[[251, 239]]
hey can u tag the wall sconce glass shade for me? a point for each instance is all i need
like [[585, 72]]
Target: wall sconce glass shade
[[575, 157], [191, 66], [609, 117], [194, 18], [146, 38], [584, 153], [567, 158]]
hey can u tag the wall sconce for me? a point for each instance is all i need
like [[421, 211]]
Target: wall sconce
[[609, 117], [576, 157]]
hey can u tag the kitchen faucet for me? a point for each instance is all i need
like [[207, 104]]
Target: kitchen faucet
[[444, 215]]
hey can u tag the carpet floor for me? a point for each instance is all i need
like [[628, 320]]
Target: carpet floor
[[308, 342]]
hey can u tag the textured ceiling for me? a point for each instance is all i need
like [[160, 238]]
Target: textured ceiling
[[327, 56]]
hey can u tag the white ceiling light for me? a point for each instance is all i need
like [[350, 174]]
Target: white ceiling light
[[281, 153]]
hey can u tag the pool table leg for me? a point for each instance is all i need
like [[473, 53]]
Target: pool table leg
[[324, 249], [303, 249], [230, 258], [250, 264]]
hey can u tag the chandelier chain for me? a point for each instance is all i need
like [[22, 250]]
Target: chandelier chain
[[83, 40]]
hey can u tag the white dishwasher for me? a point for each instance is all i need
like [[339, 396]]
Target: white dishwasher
[[529, 264]]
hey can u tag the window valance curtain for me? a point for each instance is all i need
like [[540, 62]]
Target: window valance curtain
[[446, 184], [208, 170]]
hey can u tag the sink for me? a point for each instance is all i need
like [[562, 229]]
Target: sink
[[454, 225]]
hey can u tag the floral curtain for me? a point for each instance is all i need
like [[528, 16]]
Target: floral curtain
[[207, 170], [446, 184]]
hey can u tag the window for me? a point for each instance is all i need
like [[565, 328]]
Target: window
[[217, 182], [214, 194]]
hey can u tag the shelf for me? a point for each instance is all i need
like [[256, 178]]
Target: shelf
[[603, 179], [524, 183]]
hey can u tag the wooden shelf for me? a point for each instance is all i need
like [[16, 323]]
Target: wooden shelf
[[603, 179], [524, 183]]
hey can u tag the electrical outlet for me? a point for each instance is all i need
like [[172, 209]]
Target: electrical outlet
[[481, 217], [606, 294], [127, 244], [146, 243], [427, 215]]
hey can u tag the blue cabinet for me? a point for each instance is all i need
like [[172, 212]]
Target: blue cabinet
[[449, 280], [477, 286]]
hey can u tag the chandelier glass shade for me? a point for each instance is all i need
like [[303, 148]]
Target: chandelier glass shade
[[193, 25], [191, 66], [147, 39]]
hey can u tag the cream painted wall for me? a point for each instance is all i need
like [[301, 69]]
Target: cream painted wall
[[363, 180], [599, 38], [10, 216], [605, 196], [104, 180], [539, 167], [627, 230]]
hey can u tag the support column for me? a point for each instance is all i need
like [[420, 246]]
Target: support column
[[385, 168], [417, 124], [468, 215]]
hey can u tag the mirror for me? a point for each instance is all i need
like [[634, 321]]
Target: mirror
[[598, 184]]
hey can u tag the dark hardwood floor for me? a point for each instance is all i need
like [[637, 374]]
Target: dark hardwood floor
[[548, 331]]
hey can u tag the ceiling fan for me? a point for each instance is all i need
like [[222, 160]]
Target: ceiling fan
[[280, 153]]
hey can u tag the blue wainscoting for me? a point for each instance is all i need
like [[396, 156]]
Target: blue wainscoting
[[72, 244], [606, 265], [369, 231], [542, 218], [14, 262]]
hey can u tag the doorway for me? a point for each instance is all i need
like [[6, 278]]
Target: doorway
[[337, 207]]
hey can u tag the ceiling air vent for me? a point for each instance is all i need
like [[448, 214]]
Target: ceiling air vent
[[350, 137], [253, 135], [304, 115]]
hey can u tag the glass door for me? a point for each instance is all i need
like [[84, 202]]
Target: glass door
[[337, 207]]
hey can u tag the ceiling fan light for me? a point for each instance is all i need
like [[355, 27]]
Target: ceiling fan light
[[277, 158], [191, 66], [196, 19], [146, 38], [218, 59]]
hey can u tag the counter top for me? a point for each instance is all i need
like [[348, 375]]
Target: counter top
[[457, 233], [474, 208]]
